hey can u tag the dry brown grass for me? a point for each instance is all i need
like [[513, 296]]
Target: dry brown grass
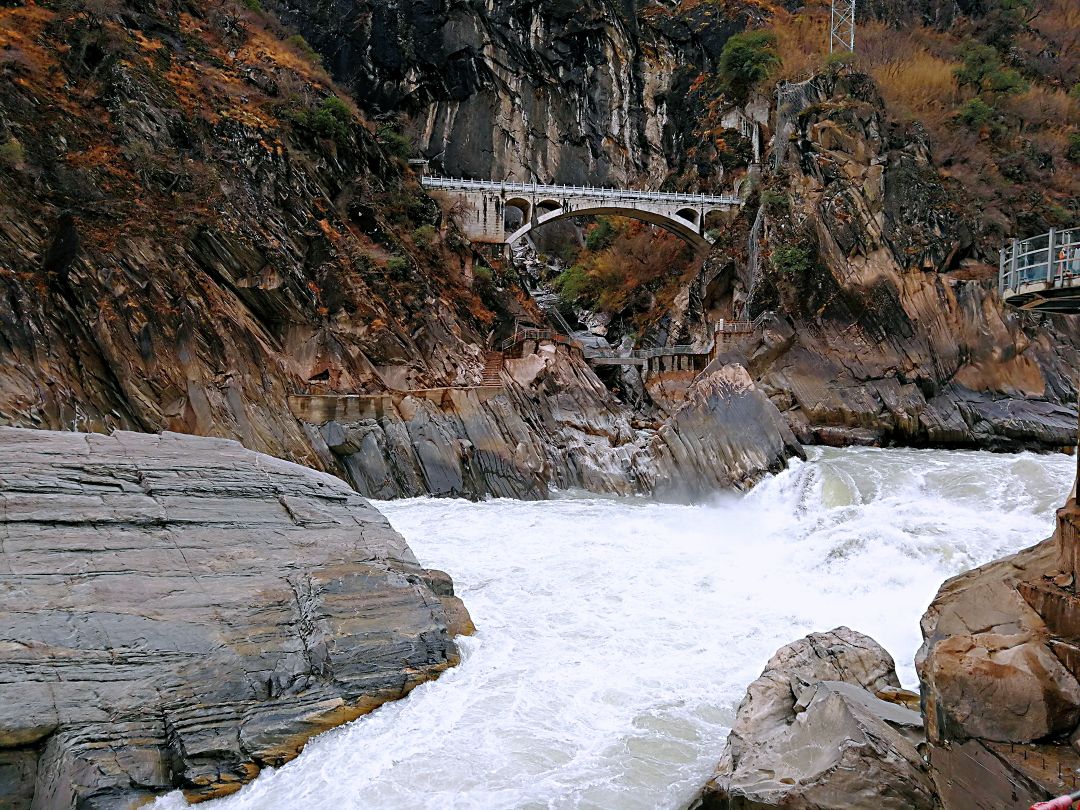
[[915, 81], [802, 40]]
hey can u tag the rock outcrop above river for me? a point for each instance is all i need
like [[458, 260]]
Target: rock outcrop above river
[[180, 612], [187, 242], [814, 732], [1000, 675], [554, 423], [882, 275]]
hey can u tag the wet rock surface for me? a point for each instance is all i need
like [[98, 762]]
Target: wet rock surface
[[556, 424], [180, 612], [812, 732], [999, 669]]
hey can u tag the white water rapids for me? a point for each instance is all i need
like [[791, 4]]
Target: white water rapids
[[617, 636]]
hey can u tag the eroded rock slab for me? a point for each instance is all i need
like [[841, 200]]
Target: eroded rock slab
[[812, 732], [179, 612]]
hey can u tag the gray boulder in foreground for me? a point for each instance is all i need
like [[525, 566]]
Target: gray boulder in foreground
[[179, 612], [813, 733]]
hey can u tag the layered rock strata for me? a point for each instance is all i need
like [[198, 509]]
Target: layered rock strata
[[178, 612], [888, 327], [1000, 674]]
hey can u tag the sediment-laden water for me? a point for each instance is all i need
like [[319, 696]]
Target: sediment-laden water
[[616, 637]]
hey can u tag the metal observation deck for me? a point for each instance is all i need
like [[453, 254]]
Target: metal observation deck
[[1043, 272]]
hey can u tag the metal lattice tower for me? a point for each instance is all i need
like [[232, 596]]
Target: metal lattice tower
[[842, 27]]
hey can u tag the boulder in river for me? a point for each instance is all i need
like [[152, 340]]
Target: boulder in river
[[815, 732], [180, 612]]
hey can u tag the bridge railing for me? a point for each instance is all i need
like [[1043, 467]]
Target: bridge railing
[[582, 191], [645, 354], [1051, 259], [521, 335]]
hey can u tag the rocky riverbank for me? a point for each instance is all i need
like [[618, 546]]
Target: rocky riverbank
[[179, 612], [999, 673], [553, 423], [887, 328]]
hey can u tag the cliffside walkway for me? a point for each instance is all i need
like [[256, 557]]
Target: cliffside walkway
[[726, 335], [1042, 272], [483, 203]]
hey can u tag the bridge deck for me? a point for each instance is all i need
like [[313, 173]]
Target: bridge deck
[[550, 190], [1042, 272]]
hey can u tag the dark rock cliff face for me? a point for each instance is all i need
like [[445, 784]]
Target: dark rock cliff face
[[572, 92], [197, 227], [179, 612], [891, 330]]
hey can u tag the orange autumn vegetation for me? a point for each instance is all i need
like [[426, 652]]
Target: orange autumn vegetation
[[634, 269]]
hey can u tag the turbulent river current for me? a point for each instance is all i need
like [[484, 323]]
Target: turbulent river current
[[617, 636]]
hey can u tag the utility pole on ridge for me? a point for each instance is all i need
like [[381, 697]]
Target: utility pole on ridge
[[842, 26]]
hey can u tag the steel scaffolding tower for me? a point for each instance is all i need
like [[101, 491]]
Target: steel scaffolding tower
[[842, 26]]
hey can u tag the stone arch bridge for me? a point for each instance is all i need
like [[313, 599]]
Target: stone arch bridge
[[482, 207]]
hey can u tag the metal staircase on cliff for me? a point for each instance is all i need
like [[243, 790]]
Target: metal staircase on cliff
[[493, 363]]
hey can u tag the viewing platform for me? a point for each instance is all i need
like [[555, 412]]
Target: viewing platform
[[1043, 272]]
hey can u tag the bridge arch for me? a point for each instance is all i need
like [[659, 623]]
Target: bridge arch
[[520, 203], [689, 214], [676, 224]]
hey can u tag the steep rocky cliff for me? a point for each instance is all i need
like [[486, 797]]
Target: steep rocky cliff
[[179, 612], [890, 330], [999, 669], [595, 91], [196, 225], [193, 225]]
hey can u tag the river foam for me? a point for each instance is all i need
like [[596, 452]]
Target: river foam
[[617, 636]]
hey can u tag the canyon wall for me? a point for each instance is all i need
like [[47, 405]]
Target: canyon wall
[[886, 326], [591, 92]]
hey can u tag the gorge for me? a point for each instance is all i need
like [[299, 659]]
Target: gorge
[[650, 442]]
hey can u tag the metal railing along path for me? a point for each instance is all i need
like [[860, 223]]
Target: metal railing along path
[[543, 189], [1040, 271]]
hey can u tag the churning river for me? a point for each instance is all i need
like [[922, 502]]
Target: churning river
[[617, 636]]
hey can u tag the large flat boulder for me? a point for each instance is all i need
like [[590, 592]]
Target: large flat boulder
[[179, 612], [813, 732]]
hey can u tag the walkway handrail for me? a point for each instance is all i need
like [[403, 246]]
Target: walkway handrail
[[582, 191], [1051, 258], [522, 335]]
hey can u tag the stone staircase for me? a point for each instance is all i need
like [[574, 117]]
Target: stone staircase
[[493, 363]]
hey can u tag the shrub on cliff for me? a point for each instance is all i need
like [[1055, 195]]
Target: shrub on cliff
[[12, 154], [975, 112], [600, 235], [574, 285], [394, 142], [1072, 152], [747, 59], [983, 71], [302, 45], [792, 260], [331, 119]]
